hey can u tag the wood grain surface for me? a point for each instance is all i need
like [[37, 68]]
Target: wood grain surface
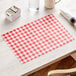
[[63, 64]]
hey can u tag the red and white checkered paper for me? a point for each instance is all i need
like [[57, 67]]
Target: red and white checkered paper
[[37, 38]]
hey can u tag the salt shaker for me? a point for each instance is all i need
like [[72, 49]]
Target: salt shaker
[[34, 5]]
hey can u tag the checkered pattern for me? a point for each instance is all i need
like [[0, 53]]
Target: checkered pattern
[[37, 38]]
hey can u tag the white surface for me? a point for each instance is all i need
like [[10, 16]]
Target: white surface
[[9, 64]]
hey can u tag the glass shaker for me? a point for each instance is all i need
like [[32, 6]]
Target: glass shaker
[[34, 5]]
